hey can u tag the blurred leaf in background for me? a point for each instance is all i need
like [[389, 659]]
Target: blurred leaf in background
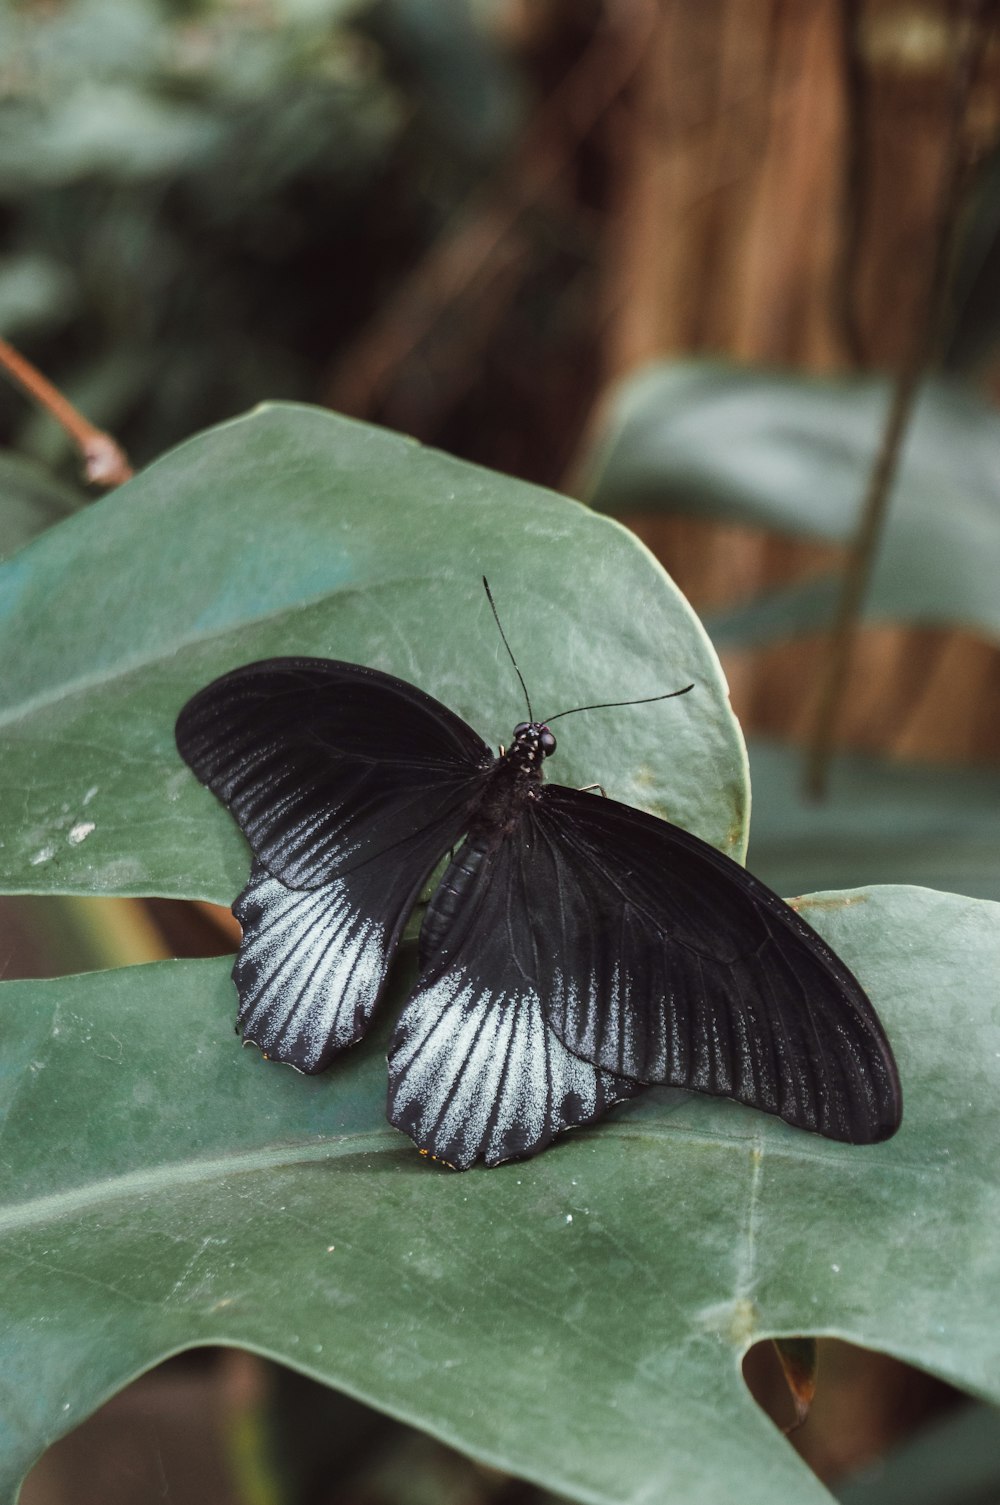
[[883, 822], [791, 453], [199, 203]]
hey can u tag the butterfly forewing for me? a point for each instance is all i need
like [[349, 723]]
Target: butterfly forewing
[[350, 785], [326, 765], [670, 963]]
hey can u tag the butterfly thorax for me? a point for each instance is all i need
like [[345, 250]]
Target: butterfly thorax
[[516, 776]]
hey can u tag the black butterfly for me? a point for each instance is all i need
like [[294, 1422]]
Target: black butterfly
[[575, 950]]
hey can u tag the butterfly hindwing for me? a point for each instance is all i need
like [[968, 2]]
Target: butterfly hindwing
[[312, 962], [661, 960], [475, 1071]]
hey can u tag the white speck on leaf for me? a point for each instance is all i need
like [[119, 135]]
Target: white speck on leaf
[[176, 783], [569, 1217], [90, 794], [44, 855], [80, 832]]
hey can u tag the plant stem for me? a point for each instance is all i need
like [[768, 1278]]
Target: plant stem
[[858, 570], [104, 461]]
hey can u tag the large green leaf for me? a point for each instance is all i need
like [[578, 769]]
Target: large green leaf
[[882, 822], [793, 453], [292, 531], [579, 1318]]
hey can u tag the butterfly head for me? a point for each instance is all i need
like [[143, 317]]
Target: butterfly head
[[532, 742]]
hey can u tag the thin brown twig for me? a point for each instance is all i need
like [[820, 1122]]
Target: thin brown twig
[[104, 461], [860, 562]]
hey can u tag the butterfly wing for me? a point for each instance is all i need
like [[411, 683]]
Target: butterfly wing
[[326, 765], [670, 963], [349, 785], [475, 1072]]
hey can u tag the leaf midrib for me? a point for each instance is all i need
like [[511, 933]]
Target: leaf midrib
[[52, 1206]]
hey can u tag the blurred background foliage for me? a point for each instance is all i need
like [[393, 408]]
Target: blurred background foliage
[[669, 257]]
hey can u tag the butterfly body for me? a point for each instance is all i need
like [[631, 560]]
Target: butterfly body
[[575, 951], [514, 778]]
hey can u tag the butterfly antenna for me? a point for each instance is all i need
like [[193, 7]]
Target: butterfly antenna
[[607, 705], [493, 608]]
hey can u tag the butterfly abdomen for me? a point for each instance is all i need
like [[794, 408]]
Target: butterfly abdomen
[[447, 899]]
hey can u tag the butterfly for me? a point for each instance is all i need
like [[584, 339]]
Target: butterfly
[[574, 952]]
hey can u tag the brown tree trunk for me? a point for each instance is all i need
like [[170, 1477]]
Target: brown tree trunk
[[777, 207]]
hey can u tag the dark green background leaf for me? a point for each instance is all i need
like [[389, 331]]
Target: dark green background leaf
[[955, 1459], [793, 453], [882, 822]]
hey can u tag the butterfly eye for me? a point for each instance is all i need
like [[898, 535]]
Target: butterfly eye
[[521, 728], [548, 742]]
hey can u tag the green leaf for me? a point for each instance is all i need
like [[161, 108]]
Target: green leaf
[[580, 1318], [36, 293], [788, 611], [292, 531], [31, 500], [883, 822], [955, 1459], [110, 129], [793, 453]]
